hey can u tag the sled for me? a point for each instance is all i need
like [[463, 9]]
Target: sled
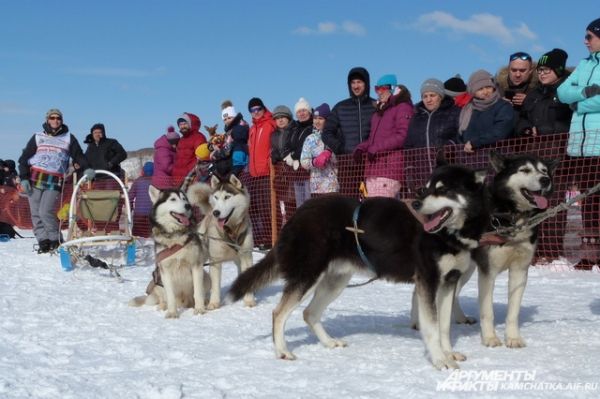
[[91, 212]]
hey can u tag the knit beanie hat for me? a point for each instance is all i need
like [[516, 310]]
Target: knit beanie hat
[[433, 85], [148, 168], [172, 135], [556, 59], [54, 111], [387, 80], [594, 27], [255, 102], [202, 152], [282, 110], [322, 111], [302, 104], [227, 110], [455, 86], [480, 79]]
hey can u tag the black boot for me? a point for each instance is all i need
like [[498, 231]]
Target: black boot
[[43, 246], [53, 245]]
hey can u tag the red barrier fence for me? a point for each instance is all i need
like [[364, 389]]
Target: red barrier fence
[[572, 234]]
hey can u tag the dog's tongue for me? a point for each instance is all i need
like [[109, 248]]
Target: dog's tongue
[[221, 223], [541, 202], [432, 223], [184, 220]]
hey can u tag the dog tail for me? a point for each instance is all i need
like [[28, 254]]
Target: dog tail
[[254, 278], [198, 194]]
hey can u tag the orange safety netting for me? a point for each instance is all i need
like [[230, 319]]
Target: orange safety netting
[[572, 234]]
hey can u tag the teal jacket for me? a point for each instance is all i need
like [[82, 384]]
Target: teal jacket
[[584, 135]]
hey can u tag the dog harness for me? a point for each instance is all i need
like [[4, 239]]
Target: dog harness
[[164, 254], [356, 232]]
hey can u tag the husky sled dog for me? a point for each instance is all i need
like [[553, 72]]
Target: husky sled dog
[[225, 228], [317, 254], [179, 278], [520, 189]]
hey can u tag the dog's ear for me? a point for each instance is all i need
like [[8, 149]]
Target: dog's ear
[[552, 164], [235, 182], [153, 192], [480, 176], [497, 161], [214, 182], [440, 159]]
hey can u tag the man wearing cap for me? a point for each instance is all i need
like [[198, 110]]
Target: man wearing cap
[[185, 159], [284, 121], [42, 168], [581, 90]]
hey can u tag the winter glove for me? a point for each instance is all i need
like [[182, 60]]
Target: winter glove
[[322, 159], [591, 91], [371, 156], [358, 155], [295, 164], [288, 160], [89, 174], [26, 186]]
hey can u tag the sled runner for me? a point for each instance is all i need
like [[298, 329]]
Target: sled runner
[[93, 217]]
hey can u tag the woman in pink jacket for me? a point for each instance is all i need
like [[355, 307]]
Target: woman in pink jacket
[[164, 156], [384, 168]]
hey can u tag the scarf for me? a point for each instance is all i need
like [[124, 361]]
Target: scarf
[[475, 104]]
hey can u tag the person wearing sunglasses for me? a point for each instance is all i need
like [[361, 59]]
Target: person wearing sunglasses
[[42, 168], [384, 163], [259, 148], [191, 138], [517, 80], [542, 113], [581, 90]]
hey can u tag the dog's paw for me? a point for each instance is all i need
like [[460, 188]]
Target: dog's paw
[[459, 357], [172, 315], [466, 320], [213, 305], [199, 311], [491, 342], [515, 342], [444, 363], [250, 303], [286, 356], [336, 343]]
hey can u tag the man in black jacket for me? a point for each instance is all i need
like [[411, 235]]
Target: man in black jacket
[[348, 125], [104, 153]]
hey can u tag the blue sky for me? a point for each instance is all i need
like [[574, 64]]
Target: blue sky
[[136, 65]]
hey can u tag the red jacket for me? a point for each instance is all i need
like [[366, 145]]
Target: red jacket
[[259, 144], [185, 157]]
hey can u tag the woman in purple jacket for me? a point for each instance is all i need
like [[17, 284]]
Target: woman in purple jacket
[[384, 169], [164, 156]]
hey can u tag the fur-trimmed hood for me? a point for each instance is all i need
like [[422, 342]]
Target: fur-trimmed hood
[[502, 79]]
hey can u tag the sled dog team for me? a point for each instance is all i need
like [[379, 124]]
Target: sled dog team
[[331, 238]]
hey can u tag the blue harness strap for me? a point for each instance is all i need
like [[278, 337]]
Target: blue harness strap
[[356, 231]]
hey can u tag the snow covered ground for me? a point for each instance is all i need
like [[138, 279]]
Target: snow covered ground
[[72, 335]]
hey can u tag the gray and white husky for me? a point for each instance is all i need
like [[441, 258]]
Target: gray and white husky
[[225, 228], [519, 190], [179, 279], [316, 255]]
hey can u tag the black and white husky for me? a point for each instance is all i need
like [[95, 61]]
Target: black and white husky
[[317, 254], [519, 190], [179, 279]]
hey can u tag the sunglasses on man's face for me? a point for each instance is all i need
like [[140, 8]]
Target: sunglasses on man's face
[[588, 37], [520, 56], [383, 87], [254, 110], [54, 118]]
